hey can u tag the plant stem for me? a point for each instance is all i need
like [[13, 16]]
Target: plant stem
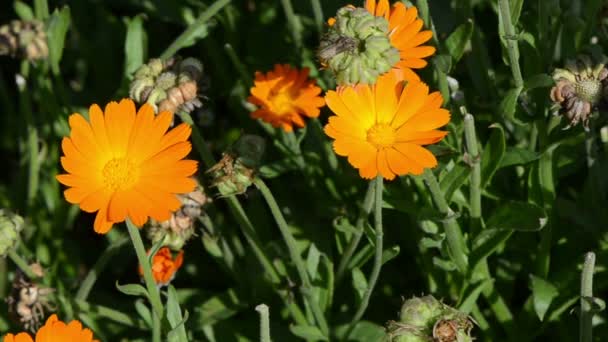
[[264, 322], [373, 278], [197, 140], [153, 293], [294, 23], [456, 245], [354, 241], [156, 325], [290, 241], [586, 316], [100, 265], [189, 34], [317, 11], [240, 67], [475, 163], [21, 263], [513, 49]]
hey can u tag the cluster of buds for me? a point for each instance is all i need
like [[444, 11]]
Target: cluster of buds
[[235, 172], [180, 227], [426, 319], [10, 227], [170, 85], [357, 48], [24, 39], [579, 89]]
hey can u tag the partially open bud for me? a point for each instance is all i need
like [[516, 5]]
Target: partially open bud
[[164, 266], [10, 227], [357, 48], [235, 172], [425, 319], [180, 227], [579, 89], [24, 39], [170, 85]]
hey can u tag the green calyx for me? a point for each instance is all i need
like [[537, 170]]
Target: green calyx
[[10, 227], [426, 319], [357, 48]]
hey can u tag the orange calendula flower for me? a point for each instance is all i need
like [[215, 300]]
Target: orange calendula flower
[[381, 128], [125, 164], [284, 95], [55, 330], [164, 266], [405, 35]]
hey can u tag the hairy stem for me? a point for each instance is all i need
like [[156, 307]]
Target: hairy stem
[[586, 316]]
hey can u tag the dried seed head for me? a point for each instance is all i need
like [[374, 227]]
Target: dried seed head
[[579, 89], [24, 39]]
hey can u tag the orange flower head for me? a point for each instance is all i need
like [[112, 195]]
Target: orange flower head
[[405, 35], [164, 266], [284, 95], [55, 330], [125, 164], [381, 128]]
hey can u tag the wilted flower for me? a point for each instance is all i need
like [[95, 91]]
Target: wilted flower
[[180, 227], [235, 172], [55, 330], [284, 95], [24, 39], [125, 163], [426, 319], [164, 266], [10, 227], [579, 89], [170, 85]]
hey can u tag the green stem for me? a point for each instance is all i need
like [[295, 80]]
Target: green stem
[[247, 227], [264, 322], [456, 245], [240, 67], [317, 11], [153, 292], [373, 278], [513, 48], [586, 316], [21, 263], [190, 33], [111, 314], [290, 241], [293, 22], [156, 325], [475, 163], [354, 241], [100, 265]]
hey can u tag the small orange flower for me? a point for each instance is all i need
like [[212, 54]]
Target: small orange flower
[[55, 330], [381, 128], [125, 164], [283, 95], [164, 266], [405, 36]]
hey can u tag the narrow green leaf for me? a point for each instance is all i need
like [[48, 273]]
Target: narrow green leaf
[[509, 103], [219, 308], [23, 10], [471, 295], [364, 331], [486, 243], [443, 63], [135, 45], [132, 289], [492, 155], [454, 179], [517, 156], [538, 81], [390, 254], [152, 252], [175, 318], [57, 29], [516, 6], [144, 312], [312, 261], [514, 215], [359, 283], [458, 40], [308, 332], [543, 293]]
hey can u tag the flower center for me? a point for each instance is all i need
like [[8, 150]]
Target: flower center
[[381, 135], [589, 90], [282, 101], [119, 174]]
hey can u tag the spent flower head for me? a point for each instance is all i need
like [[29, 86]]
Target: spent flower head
[[24, 39]]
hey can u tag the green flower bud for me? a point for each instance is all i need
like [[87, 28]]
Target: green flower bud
[[10, 227], [426, 319], [357, 48]]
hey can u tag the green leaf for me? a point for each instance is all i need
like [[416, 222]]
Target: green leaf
[[538, 81], [508, 104], [364, 331], [517, 156], [132, 289], [492, 155], [308, 332], [516, 6], [443, 63], [57, 29], [23, 10], [471, 294], [543, 293], [359, 283], [486, 243], [390, 254], [312, 261], [219, 308], [454, 179], [457, 41], [144, 312], [515, 215], [342, 224], [175, 318], [158, 245], [135, 45]]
